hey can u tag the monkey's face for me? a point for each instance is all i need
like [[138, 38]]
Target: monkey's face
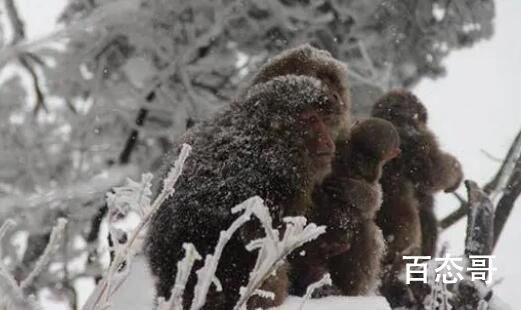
[[374, 142], [320, 129]]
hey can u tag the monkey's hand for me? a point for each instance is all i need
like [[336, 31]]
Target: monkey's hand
[[333, 243], [454, 173], [342, 201], [430, 168], [328, 245]]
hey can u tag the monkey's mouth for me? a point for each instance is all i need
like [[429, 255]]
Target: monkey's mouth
[[324, 156]]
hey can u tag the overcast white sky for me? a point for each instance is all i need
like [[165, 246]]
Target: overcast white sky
[[474, 107]]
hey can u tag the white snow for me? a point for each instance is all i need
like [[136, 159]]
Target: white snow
[[338, 303], [137, 293]]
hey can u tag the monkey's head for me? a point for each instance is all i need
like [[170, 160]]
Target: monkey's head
[[294, 113], [401, 108], [373, 143], [306, 60]]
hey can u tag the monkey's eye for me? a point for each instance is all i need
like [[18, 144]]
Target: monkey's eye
[[337, 99], [312, 119]]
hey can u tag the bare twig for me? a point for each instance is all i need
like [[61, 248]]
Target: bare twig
[[325, 280], [455, 216], [45, 258], [16, 22], [98, 184], [501, 182], [36, 84], [13, 296], [113, 278]]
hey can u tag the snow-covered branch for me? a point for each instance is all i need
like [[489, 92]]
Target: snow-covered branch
[[12, 294], [135, 195]]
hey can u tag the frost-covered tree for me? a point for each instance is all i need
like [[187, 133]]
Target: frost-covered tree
[[119, 80]]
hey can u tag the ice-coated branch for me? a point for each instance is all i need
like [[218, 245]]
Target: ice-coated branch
[[507, 180], [325, 280], [273, 250], [98, 184], [6, 226], [206, 275], [116, 275], [184, 269], [17, 24], [12, 295], [45, 258]]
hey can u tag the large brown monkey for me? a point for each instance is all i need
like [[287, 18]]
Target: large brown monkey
[[306, 60], [407, 217], [347, 202], [278, 143]]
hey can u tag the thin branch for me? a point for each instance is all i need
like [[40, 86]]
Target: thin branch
[[36, 84], [106, 288], [325, 280], [6, 226], [504, 172], [45, 258], [16, 22], [98, 184], [507, 201], [455, 216], [490, 156], [500, 182]]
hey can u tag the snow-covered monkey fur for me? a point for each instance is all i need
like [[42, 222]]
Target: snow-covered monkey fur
[[276, 141], [347, 202], [409, 182]]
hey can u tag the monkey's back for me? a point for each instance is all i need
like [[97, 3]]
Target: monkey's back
[[251, 148]]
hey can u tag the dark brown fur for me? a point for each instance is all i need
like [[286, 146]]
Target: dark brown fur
[[407, 217], [305, 60], [275, 141], [347, 203]]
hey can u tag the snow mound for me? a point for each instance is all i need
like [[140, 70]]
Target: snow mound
[[337, 303]]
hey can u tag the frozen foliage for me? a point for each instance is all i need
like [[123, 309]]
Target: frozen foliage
[[325, 280], [272, 251], [184, 268], [140, 192], [12, 295]]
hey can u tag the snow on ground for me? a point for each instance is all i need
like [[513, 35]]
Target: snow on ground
[[137, 293], [338, 303]]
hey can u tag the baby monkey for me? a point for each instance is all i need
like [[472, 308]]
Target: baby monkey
[[347, 202]]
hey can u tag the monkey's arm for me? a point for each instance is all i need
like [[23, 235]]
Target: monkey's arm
[[428, 167]]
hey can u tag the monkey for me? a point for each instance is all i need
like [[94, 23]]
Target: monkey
[[276, 142], [347, 202], [409, 182], [307, 60]]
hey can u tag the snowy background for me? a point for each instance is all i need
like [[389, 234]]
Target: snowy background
[[474, 109]]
